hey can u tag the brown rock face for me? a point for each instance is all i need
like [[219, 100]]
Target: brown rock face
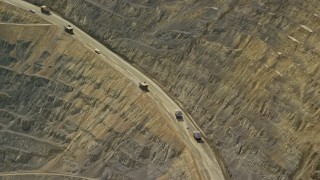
[[12, 14], [64, 110], [247, 71]]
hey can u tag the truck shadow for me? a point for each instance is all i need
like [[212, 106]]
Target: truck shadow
[[179, 119], [144, 89], [199, 141], [48, 14]]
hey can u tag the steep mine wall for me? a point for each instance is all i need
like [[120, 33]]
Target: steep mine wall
[[64, 110], [247, 71]]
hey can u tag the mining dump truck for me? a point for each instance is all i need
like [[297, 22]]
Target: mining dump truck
[[143, 86], [45, 9], [197, 135], [68, 29], [178, 114]]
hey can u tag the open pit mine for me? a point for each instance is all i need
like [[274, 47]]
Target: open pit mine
[[170, 89]]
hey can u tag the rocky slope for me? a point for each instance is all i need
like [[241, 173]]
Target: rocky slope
[[64, 110], [247, 71], [13, 14]]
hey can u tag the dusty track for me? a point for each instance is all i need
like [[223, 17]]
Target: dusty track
[[45, 174]]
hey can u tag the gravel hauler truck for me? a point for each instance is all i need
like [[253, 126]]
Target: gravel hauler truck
[[45, 9]]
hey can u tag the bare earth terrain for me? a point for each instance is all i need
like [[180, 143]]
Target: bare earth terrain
[[247, 72], [65, 111]]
